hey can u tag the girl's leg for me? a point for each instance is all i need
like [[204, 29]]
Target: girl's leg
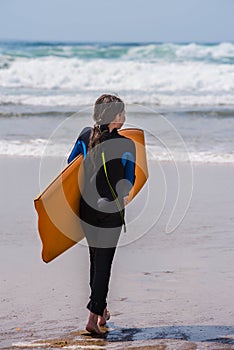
[[92, 265], [100, 270]]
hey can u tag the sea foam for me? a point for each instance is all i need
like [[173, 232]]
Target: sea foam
[[166, 74]]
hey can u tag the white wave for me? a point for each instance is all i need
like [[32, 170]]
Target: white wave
[[167, 51], [166, 69], [194, 157], [131, 98], [73, 74], [34, 147], [60, 81], [49, 100], [223, 51], [44, 148]]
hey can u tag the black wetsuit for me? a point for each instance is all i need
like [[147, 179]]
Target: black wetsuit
[[109, 175]]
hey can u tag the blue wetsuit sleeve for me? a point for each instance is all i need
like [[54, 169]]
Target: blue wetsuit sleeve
[[81, 145], [128, 161], [77, 149]]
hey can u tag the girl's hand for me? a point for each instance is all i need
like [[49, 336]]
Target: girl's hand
[[125, 201]]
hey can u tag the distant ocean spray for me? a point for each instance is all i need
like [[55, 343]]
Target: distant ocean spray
[[62, 74]]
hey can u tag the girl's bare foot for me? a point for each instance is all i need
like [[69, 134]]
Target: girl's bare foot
[[92, 325], [102, 319]]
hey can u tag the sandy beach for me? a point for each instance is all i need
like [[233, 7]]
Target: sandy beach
[[168, 291]]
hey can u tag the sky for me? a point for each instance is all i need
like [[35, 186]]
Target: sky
[[117, 21]]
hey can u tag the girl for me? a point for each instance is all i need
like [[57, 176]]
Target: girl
[[109, 166]]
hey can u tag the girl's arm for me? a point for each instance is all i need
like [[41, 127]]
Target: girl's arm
[[81, 145], [77, 149], [128, 161]]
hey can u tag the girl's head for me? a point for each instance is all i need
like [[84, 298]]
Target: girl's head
[[108, 114], [108, 109]]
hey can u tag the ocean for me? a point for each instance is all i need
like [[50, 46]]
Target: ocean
[[181, 94]]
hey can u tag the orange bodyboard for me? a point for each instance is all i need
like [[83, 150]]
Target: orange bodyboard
[[58, 205]]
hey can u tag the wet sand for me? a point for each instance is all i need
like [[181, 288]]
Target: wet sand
[[168, 291]]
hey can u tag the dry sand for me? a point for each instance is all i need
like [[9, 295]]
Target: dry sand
[[168, 291]]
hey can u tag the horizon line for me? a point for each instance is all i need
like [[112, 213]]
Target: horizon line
[[107, 42]]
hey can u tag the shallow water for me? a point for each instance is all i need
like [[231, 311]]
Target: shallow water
[[173, 337], [204, 136]]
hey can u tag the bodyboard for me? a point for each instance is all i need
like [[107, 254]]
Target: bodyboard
[[58, 205]]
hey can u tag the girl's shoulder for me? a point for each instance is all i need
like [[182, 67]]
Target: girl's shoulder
[[86, 131], [85, 135]]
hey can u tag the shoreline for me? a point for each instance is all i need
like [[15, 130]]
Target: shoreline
[[176, 286]]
